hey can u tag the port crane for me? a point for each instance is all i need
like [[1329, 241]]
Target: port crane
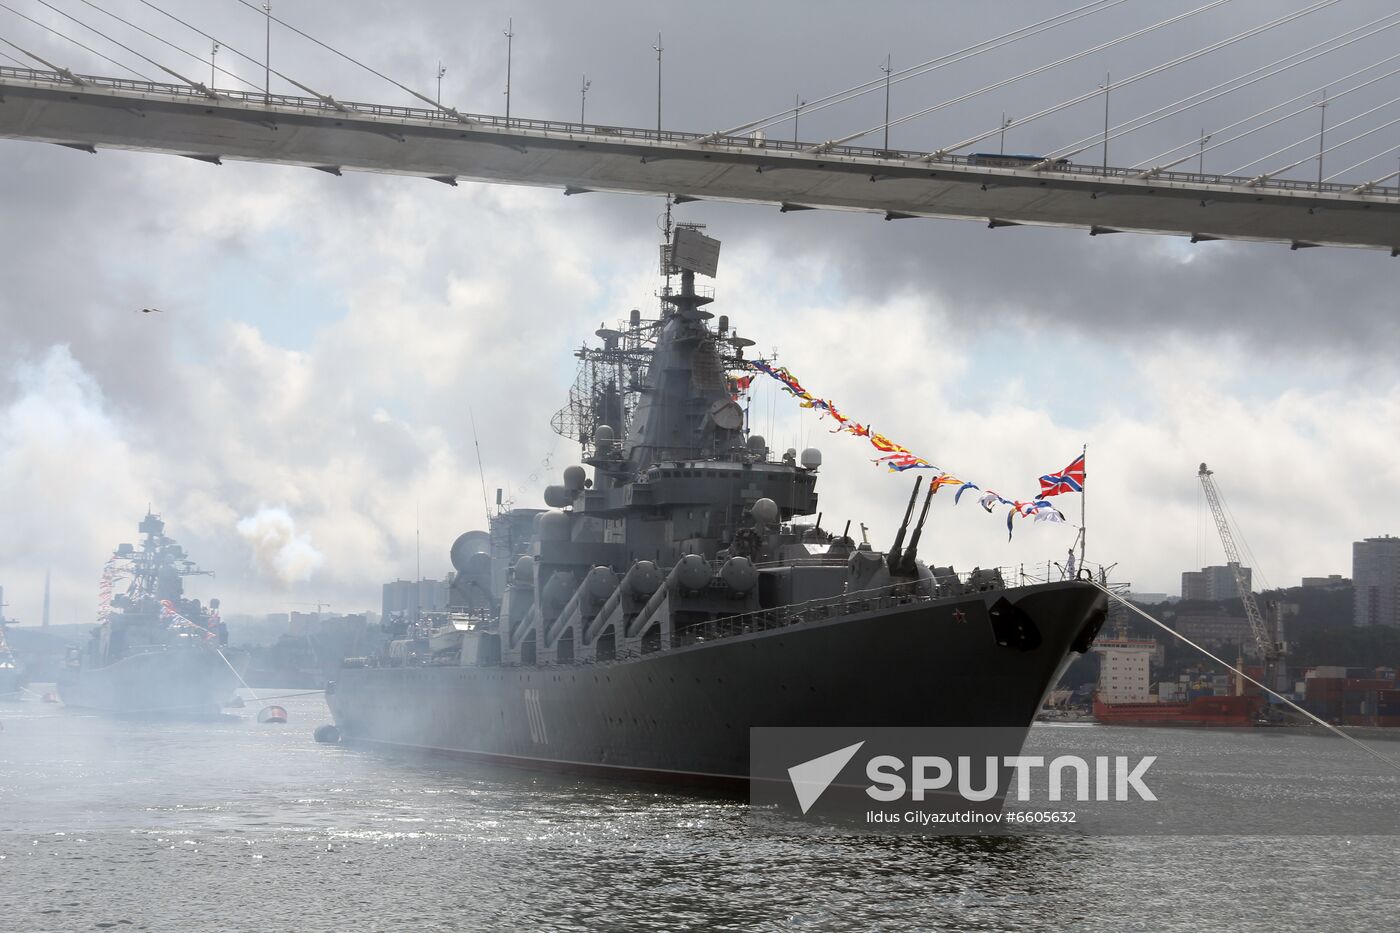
[[1267, 636]]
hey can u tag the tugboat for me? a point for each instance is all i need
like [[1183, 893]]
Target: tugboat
[[656, 610], [154, 652]]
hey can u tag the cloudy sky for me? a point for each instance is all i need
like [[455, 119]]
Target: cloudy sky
[[306, 399]]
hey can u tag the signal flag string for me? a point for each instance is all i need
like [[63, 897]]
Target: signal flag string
[[898, 458]]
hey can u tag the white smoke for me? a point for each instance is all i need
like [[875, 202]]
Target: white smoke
[[279, 553]]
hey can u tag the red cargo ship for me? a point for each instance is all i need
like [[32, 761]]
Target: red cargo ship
[[1202, 711]]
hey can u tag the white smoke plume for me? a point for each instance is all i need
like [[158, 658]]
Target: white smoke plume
[[279, 553]]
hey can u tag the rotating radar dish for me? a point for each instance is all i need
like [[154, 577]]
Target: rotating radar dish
[[727, 414]]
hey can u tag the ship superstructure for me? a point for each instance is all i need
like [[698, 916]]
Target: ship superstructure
[[657, 609], [11, 674], [155, 651]]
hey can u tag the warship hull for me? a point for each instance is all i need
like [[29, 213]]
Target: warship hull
[[176, 682], [683, 714]]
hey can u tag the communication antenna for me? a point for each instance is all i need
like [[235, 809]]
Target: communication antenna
[[485, 504]]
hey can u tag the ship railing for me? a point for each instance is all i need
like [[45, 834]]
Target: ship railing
[[890, 596]]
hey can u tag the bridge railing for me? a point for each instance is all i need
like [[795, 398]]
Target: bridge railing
[[431, 115]]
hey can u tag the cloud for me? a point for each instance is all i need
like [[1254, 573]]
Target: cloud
[[280, 553], [326, 342]]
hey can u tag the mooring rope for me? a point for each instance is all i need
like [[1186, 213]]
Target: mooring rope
[[1321, 722]]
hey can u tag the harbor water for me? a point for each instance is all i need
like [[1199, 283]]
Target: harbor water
[[237, 825]]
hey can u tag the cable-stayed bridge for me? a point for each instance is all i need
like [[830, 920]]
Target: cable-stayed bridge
[[55, 105]]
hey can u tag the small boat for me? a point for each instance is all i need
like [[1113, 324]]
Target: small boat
[[272, 714]]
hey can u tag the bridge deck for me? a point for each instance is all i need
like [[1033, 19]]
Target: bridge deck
[[137, 115]]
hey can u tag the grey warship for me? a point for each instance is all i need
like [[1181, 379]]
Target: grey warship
[[655, 611], [155, 651]]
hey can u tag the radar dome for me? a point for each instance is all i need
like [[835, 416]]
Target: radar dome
[[467, 544], [574, 477], [757, 445], [765, 512], [556, 497], [811, 458], [524, 571]]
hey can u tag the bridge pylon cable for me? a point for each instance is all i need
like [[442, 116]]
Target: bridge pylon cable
[[1363, 189], [56, 68], [323, 98], [197, 85], [1141, 75], [450, 111], [1366, 161], [1157, 169], [1183, 104], [1258, 180], [914, 71], [1312, 136], [165, 42], [830, 144]]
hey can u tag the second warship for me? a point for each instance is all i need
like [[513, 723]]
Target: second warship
[[658, 609], [155, 651]]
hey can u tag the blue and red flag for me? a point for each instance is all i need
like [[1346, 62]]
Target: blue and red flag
[[1070, 479]]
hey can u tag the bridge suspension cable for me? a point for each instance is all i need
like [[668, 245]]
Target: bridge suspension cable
[[1312, 136], [1141, 75], [1157, 169], [923, 68], [1379, 155], [830, 144], [64, 71], [451, 111], [166, 42], [324, 98], [1191, 101], [1260, 179], [197, 85]]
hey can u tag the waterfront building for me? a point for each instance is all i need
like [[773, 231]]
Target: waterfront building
[[1211, 583], [1375, 568]]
